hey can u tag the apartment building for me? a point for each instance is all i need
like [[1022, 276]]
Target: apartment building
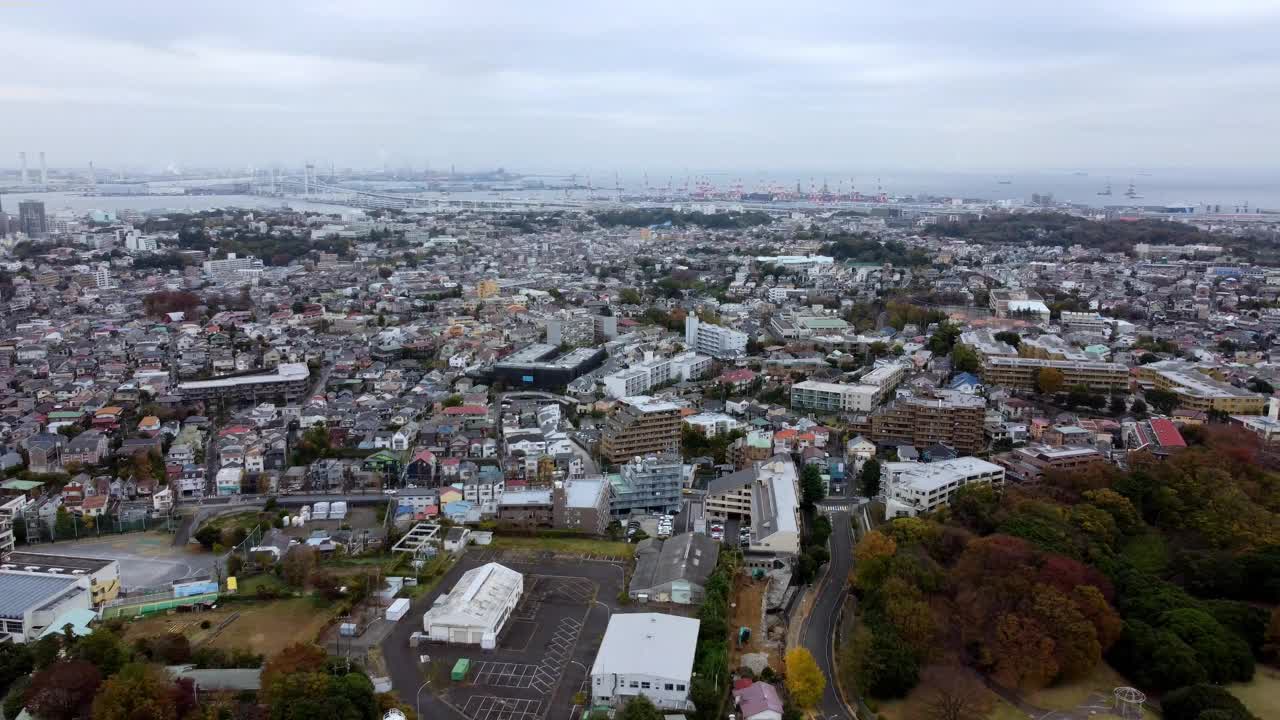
[[767, 496], [654, 372], [289, 381], [1022, 373], [650, 484], [949, 417], [639, 426], [231, 266], [1029, 464], [1197, 390], [912, 488], [576, 329], [1051, 347], [830, 397], [715, 340], [1084, 321], [1018, 302], [984, 343]]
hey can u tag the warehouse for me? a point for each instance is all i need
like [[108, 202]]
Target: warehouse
[[477, 609], [648, 654]]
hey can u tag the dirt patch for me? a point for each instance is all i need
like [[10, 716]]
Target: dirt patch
[[748, 603], [264, 627]]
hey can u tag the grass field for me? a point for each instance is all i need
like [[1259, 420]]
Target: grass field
[[572, 546], [265, 627], [1262, 694], [901, 709], [1103, 681], [247, 520]]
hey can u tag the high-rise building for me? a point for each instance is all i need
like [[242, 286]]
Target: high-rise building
[[31, 219], [576, 329], [714, 340], [102, 276], [641, 426]]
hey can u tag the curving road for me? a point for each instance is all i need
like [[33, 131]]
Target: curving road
[[823, 623]]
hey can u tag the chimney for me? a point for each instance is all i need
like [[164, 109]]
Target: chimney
[[44, 171], [22, 159], [1273, 409]]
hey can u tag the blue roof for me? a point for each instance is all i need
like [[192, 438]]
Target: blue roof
[[20, 591], [964, 378], [78, 619]]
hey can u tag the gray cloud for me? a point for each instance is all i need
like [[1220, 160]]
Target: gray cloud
[[654, 86]]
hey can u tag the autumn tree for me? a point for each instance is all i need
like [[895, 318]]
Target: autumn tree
[[1049, 381], [296, 658], [137, 692], [954, 692], [298, 565], [805, 681], [64, 690]]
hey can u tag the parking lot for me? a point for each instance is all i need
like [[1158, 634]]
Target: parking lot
[[543, 651]]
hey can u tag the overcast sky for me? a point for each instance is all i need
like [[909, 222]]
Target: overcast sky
[[650, 85]]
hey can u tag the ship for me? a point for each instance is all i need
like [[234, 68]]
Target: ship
[[1004, 182], [1106, 190], [1132, 192]]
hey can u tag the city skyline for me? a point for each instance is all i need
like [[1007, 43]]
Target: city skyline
[[659, 88]]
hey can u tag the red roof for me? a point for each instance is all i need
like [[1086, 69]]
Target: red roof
[[737, 376], [467, 410], [1167, 433]]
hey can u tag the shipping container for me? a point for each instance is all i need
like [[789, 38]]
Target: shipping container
[[397, 609], [460, 670]]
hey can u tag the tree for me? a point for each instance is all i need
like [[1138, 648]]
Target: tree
[[451, 401], [103, 649], [811, 489], [1117, 405], [235, 563], [1164, 401], [954, 693], [64, 526], [1049, 381], [298, 565], [639, 707], [1194, 701], [207, 536], [64, 690], [964, 359], [1010, 337], [1139, 407], [137, 692], [804, 680], [869, 478], [294, 659], [629, 296], [15, 662]]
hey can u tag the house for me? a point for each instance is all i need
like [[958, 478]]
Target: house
[[758, 701], [648, 654], [44, 453]]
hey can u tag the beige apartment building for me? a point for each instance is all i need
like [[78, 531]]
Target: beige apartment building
[[640, 426], [1019, 372]]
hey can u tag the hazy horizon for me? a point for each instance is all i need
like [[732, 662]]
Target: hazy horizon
[[567, 87]]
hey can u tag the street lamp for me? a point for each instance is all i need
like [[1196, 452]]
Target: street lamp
[[417, 698]]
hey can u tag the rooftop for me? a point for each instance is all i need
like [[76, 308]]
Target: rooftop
[[648, 644]]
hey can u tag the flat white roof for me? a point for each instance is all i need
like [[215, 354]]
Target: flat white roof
[[645, 403], [931, 476], [648, 644]]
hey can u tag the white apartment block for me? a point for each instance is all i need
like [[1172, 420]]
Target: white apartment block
[[911, 488], [714, 340], [651, 373], [833, 397]]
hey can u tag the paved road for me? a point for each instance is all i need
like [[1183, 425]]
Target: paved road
[[821, 627]]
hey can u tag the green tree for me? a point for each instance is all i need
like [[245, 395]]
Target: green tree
[[104, 649], [1195, 701], [811, 489], [964, 359], [1010, 337], [869, 478], [64, 526], [1163, 401], [451, 401], [15, 662], [639, 707]]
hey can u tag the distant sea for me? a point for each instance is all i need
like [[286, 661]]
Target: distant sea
[[1231, 190]]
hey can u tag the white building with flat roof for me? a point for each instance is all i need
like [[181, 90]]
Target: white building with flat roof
[[714, 340], [912, 488], [477, 609], [648, 654]]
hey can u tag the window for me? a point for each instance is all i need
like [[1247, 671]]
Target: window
[[644, 685], [680, 688], [635, 684], [669, 686]]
